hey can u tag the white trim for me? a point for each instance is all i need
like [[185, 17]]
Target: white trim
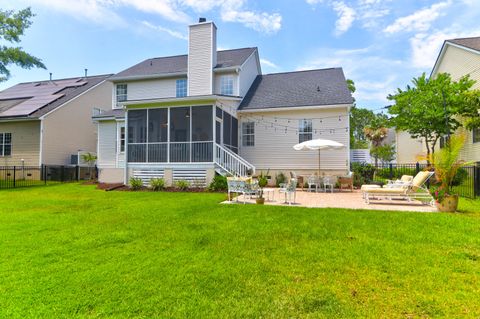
[[125, 174], [72, 99], [147, 77], [40, 149], [20, 119], [296, 108], [194, 98], [199, 165]]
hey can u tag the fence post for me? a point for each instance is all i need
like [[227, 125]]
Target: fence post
[[417, 167], [77, 173], [390, 166], [476, 181], [62, 172], [14, 177]]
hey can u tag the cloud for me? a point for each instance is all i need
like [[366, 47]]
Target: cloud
[[167, 9], [267, 63], [420, 20], [346, 16], [171, 32]]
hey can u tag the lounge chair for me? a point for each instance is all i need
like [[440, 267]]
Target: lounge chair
[[404, 180], [413, 190]]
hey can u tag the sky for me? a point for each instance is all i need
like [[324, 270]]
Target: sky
[[380, 44]]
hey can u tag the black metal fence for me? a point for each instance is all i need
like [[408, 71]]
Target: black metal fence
[[466, 182], [24, 176]]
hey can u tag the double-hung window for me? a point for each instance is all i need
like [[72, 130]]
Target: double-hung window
[[121, 93], [122, 139], [304, 130], [226, 85], [248, 133], [476, 135], [5, 144], [181, 88]]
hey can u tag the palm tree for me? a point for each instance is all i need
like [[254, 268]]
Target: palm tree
[[90, 159]]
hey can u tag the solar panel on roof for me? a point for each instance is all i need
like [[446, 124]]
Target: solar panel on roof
[[37, 95]]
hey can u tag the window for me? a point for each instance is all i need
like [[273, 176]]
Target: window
[[476, 135], [121, 93], [122, 139], [226, 85], [181, 88], [5, 144], [304, 130], [248, 134]]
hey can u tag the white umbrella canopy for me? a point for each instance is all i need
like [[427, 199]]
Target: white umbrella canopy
[[318, 144]]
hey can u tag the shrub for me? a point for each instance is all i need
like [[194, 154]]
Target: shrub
[[157, 184], [219, 183], [280, 178], [135, 183], [397, 172], [460, 177], [182, 185], [363, 173]]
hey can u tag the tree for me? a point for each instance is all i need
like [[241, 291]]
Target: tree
[[376, 132], [433, 108], [12, 26], [359, 119], [90, 159], [385, 153]]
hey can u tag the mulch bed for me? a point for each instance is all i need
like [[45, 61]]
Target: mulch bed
[[121, 187]]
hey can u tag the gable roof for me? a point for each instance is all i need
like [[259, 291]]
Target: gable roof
[[34, 99], [301, 88], [171, 65], [471, 43]]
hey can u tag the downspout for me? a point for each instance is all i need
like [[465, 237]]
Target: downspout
[[125, 173], [40, 153]]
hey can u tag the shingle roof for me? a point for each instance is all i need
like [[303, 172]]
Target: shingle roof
[[471, 43], [302, 88], [179, 64], [34, 99]]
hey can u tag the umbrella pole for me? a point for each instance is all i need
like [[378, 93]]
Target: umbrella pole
[[318, 163]]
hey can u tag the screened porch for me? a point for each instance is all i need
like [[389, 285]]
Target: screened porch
[[179, 134]]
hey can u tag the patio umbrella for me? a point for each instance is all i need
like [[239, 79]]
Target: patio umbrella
[[318, 144]]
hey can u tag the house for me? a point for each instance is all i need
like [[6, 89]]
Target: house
[[192, 116], [458, 57], [46, 122]]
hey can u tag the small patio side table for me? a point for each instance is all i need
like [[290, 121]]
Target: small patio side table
[[267, 192]]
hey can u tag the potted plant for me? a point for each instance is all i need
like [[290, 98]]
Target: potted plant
[[446, 165], [262, 182]]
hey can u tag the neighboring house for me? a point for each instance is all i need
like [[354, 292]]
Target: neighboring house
[[46, 122], [191, 116], [458, 57]]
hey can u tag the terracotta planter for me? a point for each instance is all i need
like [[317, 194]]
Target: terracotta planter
[[260, 201], [449, 204]]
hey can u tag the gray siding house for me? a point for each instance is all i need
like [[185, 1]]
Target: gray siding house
[[213, 112]]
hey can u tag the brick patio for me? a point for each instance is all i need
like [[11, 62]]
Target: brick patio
[[344, 199]]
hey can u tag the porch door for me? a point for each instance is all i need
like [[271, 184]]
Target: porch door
[[218, 126]]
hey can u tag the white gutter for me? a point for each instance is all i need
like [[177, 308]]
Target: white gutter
[[147, 77], [296, 108], [182, 99]]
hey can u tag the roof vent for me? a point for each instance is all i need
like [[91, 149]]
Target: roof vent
[[201, 20], [86, 73], [318, 88]]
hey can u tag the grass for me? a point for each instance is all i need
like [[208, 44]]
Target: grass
[[73, 251]]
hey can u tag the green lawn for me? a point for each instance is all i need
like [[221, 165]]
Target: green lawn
[[73, 251]]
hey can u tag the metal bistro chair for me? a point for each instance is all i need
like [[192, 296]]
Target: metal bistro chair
[[290, 189], [328, 183]]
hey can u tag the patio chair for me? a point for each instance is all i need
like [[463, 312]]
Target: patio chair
[[346, 181], [313, 181], [414, 190], [327, 183], [289, 189], [241, 186], [404, 180], [299, 179]]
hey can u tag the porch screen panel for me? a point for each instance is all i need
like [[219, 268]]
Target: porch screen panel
[[137, 136], [202, 134], [157, 135], [234, 134], [180, 134]]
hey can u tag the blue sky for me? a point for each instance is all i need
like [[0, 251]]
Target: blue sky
[[381, 44]]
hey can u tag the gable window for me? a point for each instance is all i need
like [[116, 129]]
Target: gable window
[[248, 133], [121, 93], [476, 135], [304, 130], [5, 144], [226, 85], [181, 88]]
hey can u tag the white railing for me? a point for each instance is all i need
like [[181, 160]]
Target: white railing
[[232, 163]]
